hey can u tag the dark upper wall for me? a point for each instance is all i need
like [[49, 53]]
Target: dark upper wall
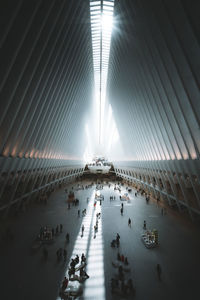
[[46, 77], [154, 78]]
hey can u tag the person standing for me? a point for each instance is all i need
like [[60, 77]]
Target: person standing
[[57, 254], [159, 271], [60, 253], [65, 254], [67, 237], [83, 258], [126, 261], [145, 225], [129, 222], [45, 253], [65, 283]]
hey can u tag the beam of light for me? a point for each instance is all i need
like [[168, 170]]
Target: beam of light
[[101, 29], [93, 288], [104, 136], [95, 285]]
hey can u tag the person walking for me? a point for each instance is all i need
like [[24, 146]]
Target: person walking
[[79, 213], [82, 229], [121, 210], [117, 240], [129, 222]]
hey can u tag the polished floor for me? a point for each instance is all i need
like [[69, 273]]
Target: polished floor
[[25, 275]]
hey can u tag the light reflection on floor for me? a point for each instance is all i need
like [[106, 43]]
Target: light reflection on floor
[[93, 287]]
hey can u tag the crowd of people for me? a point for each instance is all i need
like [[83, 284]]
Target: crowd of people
[[122, 258], [46, 234], [60, 253], [78, 265], [121, 284]]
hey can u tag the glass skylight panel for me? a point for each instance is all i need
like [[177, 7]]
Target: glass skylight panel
[[95, 22], [109, 8], [94, 3], [109, 2], [95, 13], [95, 7]]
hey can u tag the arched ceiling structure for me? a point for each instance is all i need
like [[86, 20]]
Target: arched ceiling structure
[[154, 80], [46, 78], [152, 104]]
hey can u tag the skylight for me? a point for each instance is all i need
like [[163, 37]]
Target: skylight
[[101, 13]]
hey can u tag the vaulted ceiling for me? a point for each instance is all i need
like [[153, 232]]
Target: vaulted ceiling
[[47, 80]]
